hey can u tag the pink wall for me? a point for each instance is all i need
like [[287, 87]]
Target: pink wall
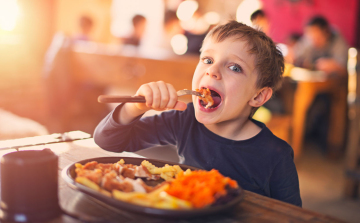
[[289, 16]]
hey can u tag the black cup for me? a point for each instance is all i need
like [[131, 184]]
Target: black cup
[[29, 186]]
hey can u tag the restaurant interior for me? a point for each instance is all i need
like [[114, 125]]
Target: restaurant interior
[[58, 56]]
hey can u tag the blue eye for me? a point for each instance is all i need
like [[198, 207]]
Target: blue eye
[[207, 61], [236, 68]]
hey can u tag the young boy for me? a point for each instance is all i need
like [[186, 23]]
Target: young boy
[[242, 67]]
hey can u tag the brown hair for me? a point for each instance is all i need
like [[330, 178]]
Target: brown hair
[[269, 61]]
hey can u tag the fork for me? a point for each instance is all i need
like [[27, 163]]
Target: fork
[[139, 99]]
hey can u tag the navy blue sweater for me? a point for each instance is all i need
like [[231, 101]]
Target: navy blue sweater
[[262, 164]]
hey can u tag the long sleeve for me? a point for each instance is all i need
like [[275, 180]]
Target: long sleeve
[[284, 182], [139, 134]]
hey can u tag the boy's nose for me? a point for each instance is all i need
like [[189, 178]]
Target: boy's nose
[[213, 75]]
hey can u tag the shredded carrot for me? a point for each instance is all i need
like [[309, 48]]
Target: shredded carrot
[[200, 187]]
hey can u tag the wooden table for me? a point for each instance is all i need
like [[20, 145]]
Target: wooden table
[[253, 208]]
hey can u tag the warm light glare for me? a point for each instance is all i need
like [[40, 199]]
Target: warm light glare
[[212, 18], [179, 44], [29, 141], [352, 75], [352, 61], [352, 52], [9, 11], [245, 9], [57, 148], [88, 143], [186, 10], [86, 47]]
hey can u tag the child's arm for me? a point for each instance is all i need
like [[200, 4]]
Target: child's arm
[[133, 133], [284, 182], [158, 95]]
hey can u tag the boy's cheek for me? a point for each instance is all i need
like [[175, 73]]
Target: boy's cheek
[[194, 99], [195, 82]]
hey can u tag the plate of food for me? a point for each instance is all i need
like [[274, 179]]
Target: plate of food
[[153, 187]]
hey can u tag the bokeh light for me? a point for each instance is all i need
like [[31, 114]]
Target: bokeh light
[[212, 18], [186, 10], [352, 52], [9, 11], [245, 9], [179, 44]]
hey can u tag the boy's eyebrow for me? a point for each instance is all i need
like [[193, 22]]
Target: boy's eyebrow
[[242, 61]]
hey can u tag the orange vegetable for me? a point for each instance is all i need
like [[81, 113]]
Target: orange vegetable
[[200, 187], [206, 96]]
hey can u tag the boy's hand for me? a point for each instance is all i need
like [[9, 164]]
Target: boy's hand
[[159, 96]]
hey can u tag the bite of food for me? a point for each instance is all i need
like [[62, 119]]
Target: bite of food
[[209, 99]]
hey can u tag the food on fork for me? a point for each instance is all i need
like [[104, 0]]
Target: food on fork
[[210, 98], [181, 190], [206, 97]]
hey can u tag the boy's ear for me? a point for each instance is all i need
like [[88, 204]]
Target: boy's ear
[[261, 97]]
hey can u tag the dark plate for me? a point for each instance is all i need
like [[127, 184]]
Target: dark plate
[[68, 174]]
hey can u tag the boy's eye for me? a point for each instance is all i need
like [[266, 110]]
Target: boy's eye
[[207, 61], [236, 68]]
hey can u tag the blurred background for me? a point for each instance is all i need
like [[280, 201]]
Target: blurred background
[[58, 56]]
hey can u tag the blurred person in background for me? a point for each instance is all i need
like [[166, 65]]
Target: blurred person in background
[[197, 34], [85, 27], [139, 26], [194, 30], [172, 27], [260, 21], [291, 43], [322, 48]]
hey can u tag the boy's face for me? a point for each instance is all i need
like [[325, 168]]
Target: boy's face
[[228, 70]]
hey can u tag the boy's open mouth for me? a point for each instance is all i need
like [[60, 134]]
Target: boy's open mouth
[[216, 98]]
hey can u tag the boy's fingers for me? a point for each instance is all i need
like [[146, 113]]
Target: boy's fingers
[[173, 96], [146, 91], [164, 94], [160, 95], [181, 106], [156, 95]]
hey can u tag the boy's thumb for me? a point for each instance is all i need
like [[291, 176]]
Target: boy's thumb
[[181, 106]]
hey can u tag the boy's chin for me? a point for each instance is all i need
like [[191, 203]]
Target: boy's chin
[[205, 120]]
